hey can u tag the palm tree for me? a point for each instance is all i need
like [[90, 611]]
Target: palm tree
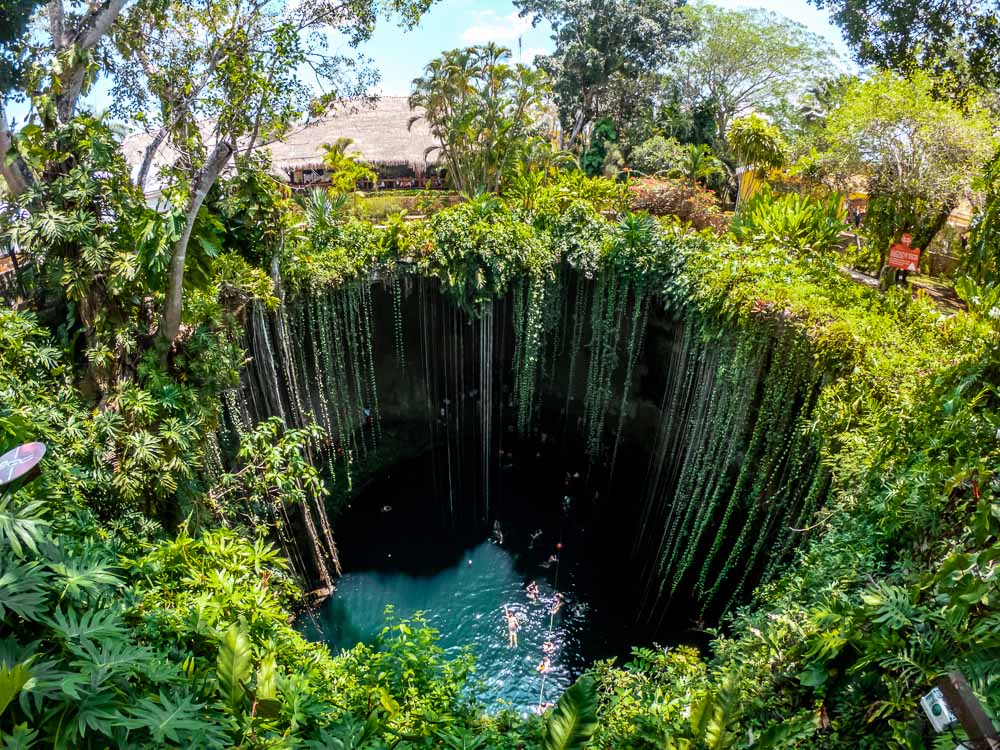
[[758, 146], [481, 110], [698, 164]]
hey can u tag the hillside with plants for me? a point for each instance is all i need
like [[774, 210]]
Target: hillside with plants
[[201, 363]]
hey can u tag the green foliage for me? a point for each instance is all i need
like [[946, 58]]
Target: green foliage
[[801, 224], [756, 143], [981, 260], [959, 44], [745, 60], [656, 156], [697, 164], [917, 153], [344, 169], [483, 113], [606, 55], [574, 719], [233, 667], [594, 157]]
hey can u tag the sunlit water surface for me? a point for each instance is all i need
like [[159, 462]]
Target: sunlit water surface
[[396, 552]]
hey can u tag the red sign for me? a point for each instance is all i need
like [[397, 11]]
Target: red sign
[[17, 463], [903, 256]]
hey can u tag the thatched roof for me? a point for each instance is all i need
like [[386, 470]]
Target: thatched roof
[[379, 133]]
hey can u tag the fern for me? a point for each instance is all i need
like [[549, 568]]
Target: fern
[[574, 719], [266, 694], [715, 717], [790, 732]]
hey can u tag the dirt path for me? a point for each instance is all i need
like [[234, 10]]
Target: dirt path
[[939, 290]]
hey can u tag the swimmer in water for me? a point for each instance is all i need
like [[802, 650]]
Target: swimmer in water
[[534, 537], [533, 591], [386, 508], [557, 602], [512, 627], [545, 665], [548, 647], [497, 533]]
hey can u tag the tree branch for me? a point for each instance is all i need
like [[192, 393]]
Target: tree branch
[[96, 24], [14, 174], [57, 24], [203, 181], [88, 35]]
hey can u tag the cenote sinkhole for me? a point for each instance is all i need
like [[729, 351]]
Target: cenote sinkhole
[[463, 446], [550, 558]]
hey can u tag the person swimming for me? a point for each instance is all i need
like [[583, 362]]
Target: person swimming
[[548, 647], [534, 537], [512, 627], [557, 602], [545, 666], [532, 590]]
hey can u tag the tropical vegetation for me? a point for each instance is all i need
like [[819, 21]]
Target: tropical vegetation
[[202, 370]]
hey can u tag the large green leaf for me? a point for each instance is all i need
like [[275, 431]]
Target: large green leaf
[[574, 719], [176, 719], [22, 588], [266, 693], [233, 666], [12, 679], [21, 527]]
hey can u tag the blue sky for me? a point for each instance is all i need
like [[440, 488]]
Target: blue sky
[[401, 55]]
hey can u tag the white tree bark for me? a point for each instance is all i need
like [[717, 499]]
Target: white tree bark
[[13, 174], [202, 183], [92, 29]]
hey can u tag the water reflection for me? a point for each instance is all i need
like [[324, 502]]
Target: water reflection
[[465, 602]]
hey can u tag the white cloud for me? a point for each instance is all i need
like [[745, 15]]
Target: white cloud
[[490, 27], [528, 54]]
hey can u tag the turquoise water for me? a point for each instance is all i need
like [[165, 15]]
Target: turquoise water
[[465, 603], [399, 547]]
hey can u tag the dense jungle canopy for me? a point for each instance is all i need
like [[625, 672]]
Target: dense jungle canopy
[[673, 239]]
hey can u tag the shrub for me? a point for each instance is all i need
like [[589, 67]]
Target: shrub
[[685, 200], [801, 223], [658, 154]]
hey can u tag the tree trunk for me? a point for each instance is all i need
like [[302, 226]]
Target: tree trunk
[[14, 174], [148, 156], [88, 34], [581, 120], [201, 184]]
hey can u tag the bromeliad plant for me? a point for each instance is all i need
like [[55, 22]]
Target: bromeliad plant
[[798, 223]]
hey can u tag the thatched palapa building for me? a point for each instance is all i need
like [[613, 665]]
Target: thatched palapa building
[[380, 136], [398, 154]]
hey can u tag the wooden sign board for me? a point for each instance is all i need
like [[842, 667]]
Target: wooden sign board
[[901, 256], [20, 462]]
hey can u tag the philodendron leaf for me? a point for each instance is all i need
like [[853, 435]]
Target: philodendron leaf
[[233, 666], [574, 719], [12, 679]]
